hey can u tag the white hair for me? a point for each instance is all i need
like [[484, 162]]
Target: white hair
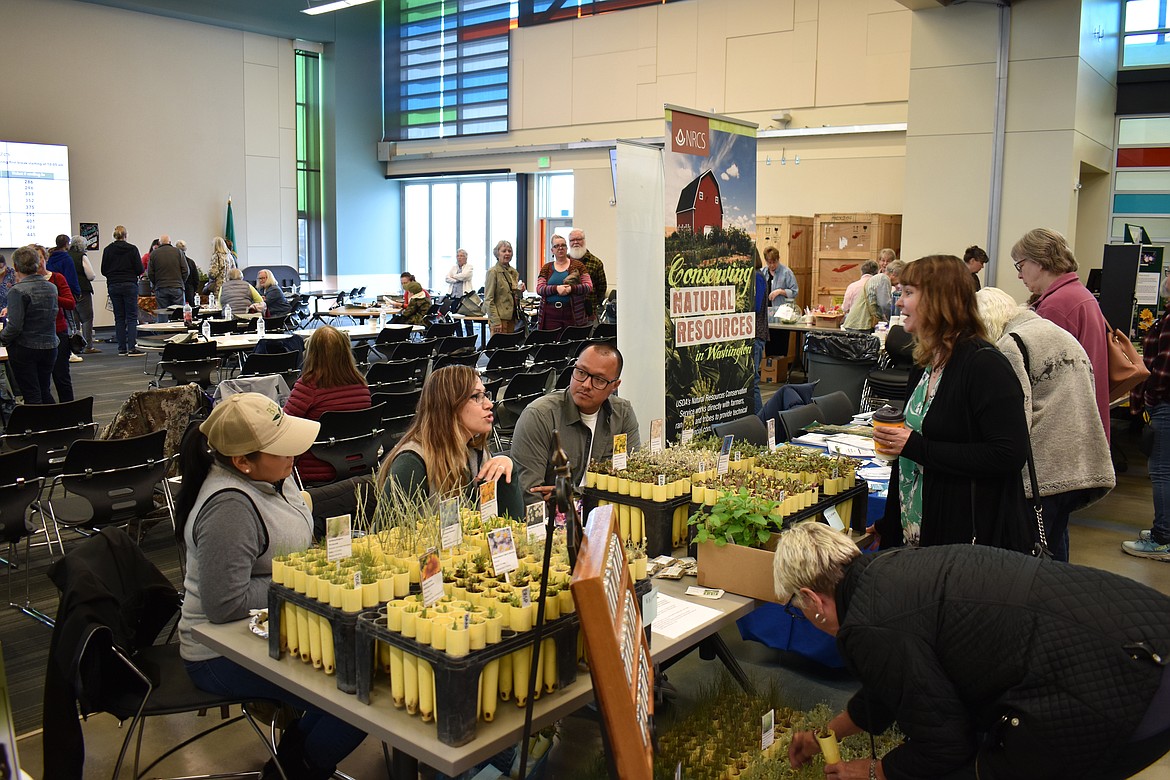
[[996, 310], [811, 555]]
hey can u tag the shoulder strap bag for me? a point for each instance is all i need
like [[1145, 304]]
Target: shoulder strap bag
[[1040, 548], [1126, 369]]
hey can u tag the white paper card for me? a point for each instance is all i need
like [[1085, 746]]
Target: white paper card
[[338, 537], [725, 454], [430, 577], [656, 435], [834, 518], [449, 521], [487, 501], [676, 617], [768, 730], [502, 547], [526, 596], [771, 433], [649, 607], [619, 452], [535, 520], [705, 593]]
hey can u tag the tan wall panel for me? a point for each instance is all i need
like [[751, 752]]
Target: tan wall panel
[[549, 49], [946, 193], [1100, 53], [678, 30], [794, 81], [831, 185], [805, 11], [1095, 101], [748, 17], [936, 32], [952, 100], [1046, 28], [261, 110], [634, 28], [1041, 94], [618, 98]]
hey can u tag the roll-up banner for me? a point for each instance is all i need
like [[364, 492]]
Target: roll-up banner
[[710, 201]]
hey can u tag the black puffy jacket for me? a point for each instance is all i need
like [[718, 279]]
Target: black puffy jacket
[[954, 642]]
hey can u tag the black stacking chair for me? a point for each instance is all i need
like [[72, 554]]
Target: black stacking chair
[[52, 428], [394, 334], [450, 344], [506, 363], [405, 350], [20, 487], [796, 419], [350, 442], [835, 407], [521, 390], [466, 358], [503, 341], [554, 355], [564, 377], [750, 429], [398, 411], [412, 371], [543, 336], [269, 363], [222, 327], [576, 333], [604, 331], [187, 363], [887, 381], [438, 330]]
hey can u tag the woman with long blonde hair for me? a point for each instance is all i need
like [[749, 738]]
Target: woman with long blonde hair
[[222, 261], [329, 382], [966, 437], [444, 451]]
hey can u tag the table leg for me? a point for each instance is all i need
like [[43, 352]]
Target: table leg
[[402, 765]]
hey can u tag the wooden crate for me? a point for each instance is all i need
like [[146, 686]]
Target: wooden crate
[[793, 236], [842, 243]]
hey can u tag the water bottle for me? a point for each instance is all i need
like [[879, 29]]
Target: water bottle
[[260, 326], [207, 330], [211, 300], [187, 314], [227, 311]]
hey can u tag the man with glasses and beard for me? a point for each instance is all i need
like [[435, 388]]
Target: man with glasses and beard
[[588, 416]]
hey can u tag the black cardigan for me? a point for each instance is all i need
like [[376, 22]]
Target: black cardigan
[[948, 640], [974, 436]]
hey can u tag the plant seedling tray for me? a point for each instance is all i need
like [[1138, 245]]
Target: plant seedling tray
[[659, 516], [342, 623]]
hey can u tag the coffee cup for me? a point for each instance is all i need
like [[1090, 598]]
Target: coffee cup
[[887, 417]]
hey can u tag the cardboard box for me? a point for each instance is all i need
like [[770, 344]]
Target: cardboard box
[[746, 571], [774, 370]]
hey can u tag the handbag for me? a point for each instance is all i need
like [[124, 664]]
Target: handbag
[[1040, 548], [77, 343], [1126, 369], [471, 305]]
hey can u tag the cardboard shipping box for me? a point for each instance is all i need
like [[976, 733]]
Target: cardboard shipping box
[[746, 571]]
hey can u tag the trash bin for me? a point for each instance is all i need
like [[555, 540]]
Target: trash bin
[[841, 361]]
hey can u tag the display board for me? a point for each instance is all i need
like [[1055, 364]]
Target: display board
[[619, 651], [34, 193], [1131, 283], [710, 225]]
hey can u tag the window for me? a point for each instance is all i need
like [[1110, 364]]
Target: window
[[309, 181], [446, 61], [1145, 42], [444, 215], [1141, 182], [446, 68]]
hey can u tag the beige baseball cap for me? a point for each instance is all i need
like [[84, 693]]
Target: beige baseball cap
[[251, 422]]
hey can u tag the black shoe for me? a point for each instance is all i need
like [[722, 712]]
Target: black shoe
[[136, 352]]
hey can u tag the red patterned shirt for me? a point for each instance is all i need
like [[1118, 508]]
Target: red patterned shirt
[[1156, 354]]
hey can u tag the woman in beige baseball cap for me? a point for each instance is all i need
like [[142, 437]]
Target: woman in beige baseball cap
[[238, 509]]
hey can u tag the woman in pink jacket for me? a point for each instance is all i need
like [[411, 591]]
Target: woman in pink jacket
[[329, 382]]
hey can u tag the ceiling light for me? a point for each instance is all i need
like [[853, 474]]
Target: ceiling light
[[325, 8]]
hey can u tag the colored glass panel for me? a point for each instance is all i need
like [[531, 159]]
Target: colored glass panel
[[1148, 157], [1146, 203]]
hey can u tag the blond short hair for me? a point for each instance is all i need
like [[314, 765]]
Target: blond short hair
[[996, 309], [811, 555], [235, 273]]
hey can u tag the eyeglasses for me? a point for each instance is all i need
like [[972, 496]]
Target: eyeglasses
[[479, 397], [1020, 264], [560, 246], [598, 382], [793, 611]]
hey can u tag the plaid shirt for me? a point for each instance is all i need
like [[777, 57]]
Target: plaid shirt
[[1156, 354]]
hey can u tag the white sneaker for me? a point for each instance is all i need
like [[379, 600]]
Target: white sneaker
[[75, 358]]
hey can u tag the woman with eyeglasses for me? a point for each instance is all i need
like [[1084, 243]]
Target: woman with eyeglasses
[[994, 664], [1045, 263], [957, 477], [444, 452], [563, 286]]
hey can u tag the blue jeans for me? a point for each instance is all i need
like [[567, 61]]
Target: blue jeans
[[1160, 471], [164, 297], [1057, 508], [124, 298], [327, 739], [32, 369], [757, 356], [61, 377]]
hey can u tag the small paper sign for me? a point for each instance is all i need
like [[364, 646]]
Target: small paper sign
[[357, 578], [535, 519], [526, 596], [688, 431], [834, 518], [768, 730], [338, 538], [725, 453], [705, 593], [619, 452], [452, 529], [487, 501], [771, 433], [649, 607], [661, 480], [430, 577], [502, 547], [656, 435]]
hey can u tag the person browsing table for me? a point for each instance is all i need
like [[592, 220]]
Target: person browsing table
[[993, 664], [30, 333], [237, 510]]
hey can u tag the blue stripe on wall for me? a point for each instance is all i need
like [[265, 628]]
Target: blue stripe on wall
[[1144, 203]]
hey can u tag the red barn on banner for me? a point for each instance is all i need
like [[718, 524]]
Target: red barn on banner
[[699, 205]]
